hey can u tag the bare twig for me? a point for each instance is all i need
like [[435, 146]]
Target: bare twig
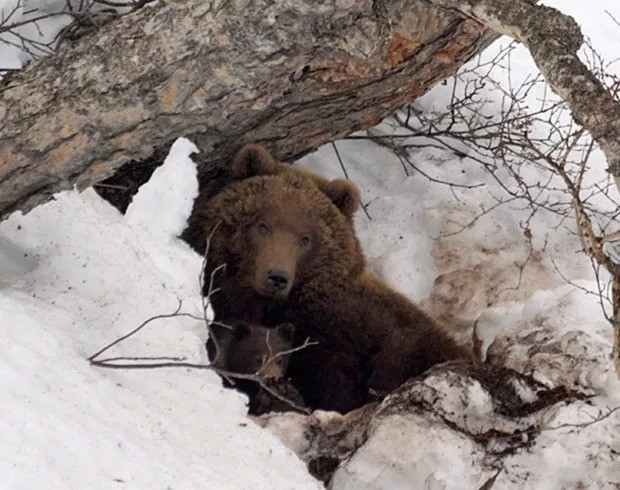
[[113, 363], [176, 362], [136, 330], [206, 299], [82, 18], [344, 169], [273, 357]]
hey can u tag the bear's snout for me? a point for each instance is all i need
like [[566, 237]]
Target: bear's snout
[[277, 281]]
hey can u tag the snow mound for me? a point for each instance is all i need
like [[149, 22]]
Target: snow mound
[[463, 426], [558, 336], [174, 181], [450, 430], [82, 275]]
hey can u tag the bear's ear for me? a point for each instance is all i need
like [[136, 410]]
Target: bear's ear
[[286, 331], [345, 195], [241, 330], [251, 160]]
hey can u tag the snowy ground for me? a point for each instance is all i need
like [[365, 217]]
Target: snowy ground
[[75, 275]]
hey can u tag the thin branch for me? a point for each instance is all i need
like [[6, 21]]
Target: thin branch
[[135, 330], [206, 299], [344, 170]]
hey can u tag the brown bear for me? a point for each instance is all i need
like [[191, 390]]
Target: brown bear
[[291, 255], [253, 349], [253, 159]]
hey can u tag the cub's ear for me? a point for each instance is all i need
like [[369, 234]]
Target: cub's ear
[[286, 331], [253, 159], [241, 330], [345, 195]]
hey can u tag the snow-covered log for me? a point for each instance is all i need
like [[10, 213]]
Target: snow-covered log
[[291, 75], [470, 426]]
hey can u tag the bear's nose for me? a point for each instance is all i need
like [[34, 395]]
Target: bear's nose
[[277, 279]]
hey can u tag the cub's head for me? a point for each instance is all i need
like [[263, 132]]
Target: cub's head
[[256, 349]]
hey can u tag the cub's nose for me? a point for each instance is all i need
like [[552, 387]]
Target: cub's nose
[[277, 279]]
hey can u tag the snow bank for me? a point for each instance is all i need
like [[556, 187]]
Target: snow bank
[[79, 276], [448, 431]]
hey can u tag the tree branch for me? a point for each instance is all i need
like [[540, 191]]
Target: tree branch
[[553, 40], [290, 75]]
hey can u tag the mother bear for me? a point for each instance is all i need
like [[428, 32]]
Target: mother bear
[[289, 254]]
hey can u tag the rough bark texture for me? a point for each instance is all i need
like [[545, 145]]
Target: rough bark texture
[[553, 40], [289, 74]]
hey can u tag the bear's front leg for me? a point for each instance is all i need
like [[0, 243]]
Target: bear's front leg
[[388, 370], [329, 379]]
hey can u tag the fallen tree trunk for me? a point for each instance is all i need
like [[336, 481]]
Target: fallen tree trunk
[[292, 75]]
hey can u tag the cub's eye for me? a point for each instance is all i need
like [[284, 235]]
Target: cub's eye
[[304, 241], [263, 229]]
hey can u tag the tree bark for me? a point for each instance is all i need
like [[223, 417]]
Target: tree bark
[[291, 75]]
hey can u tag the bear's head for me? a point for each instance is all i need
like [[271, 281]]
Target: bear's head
[[277, 232], [253, 159], [255, 349]]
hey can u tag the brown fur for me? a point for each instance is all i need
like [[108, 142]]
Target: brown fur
[[371, 338], [250, 349], [253, 160], [253, 349], [293, 209]]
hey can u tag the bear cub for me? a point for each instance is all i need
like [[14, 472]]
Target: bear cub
[[246, 348], [253, 349]]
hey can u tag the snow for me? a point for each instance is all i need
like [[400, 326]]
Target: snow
[[79, 276], [76, 274], [395, 458]]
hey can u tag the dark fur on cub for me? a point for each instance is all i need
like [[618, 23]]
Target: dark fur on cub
[[371, 338], [254, 349]]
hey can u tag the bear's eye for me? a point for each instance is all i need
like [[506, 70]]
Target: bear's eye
[[263, 229], [304, 241]]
